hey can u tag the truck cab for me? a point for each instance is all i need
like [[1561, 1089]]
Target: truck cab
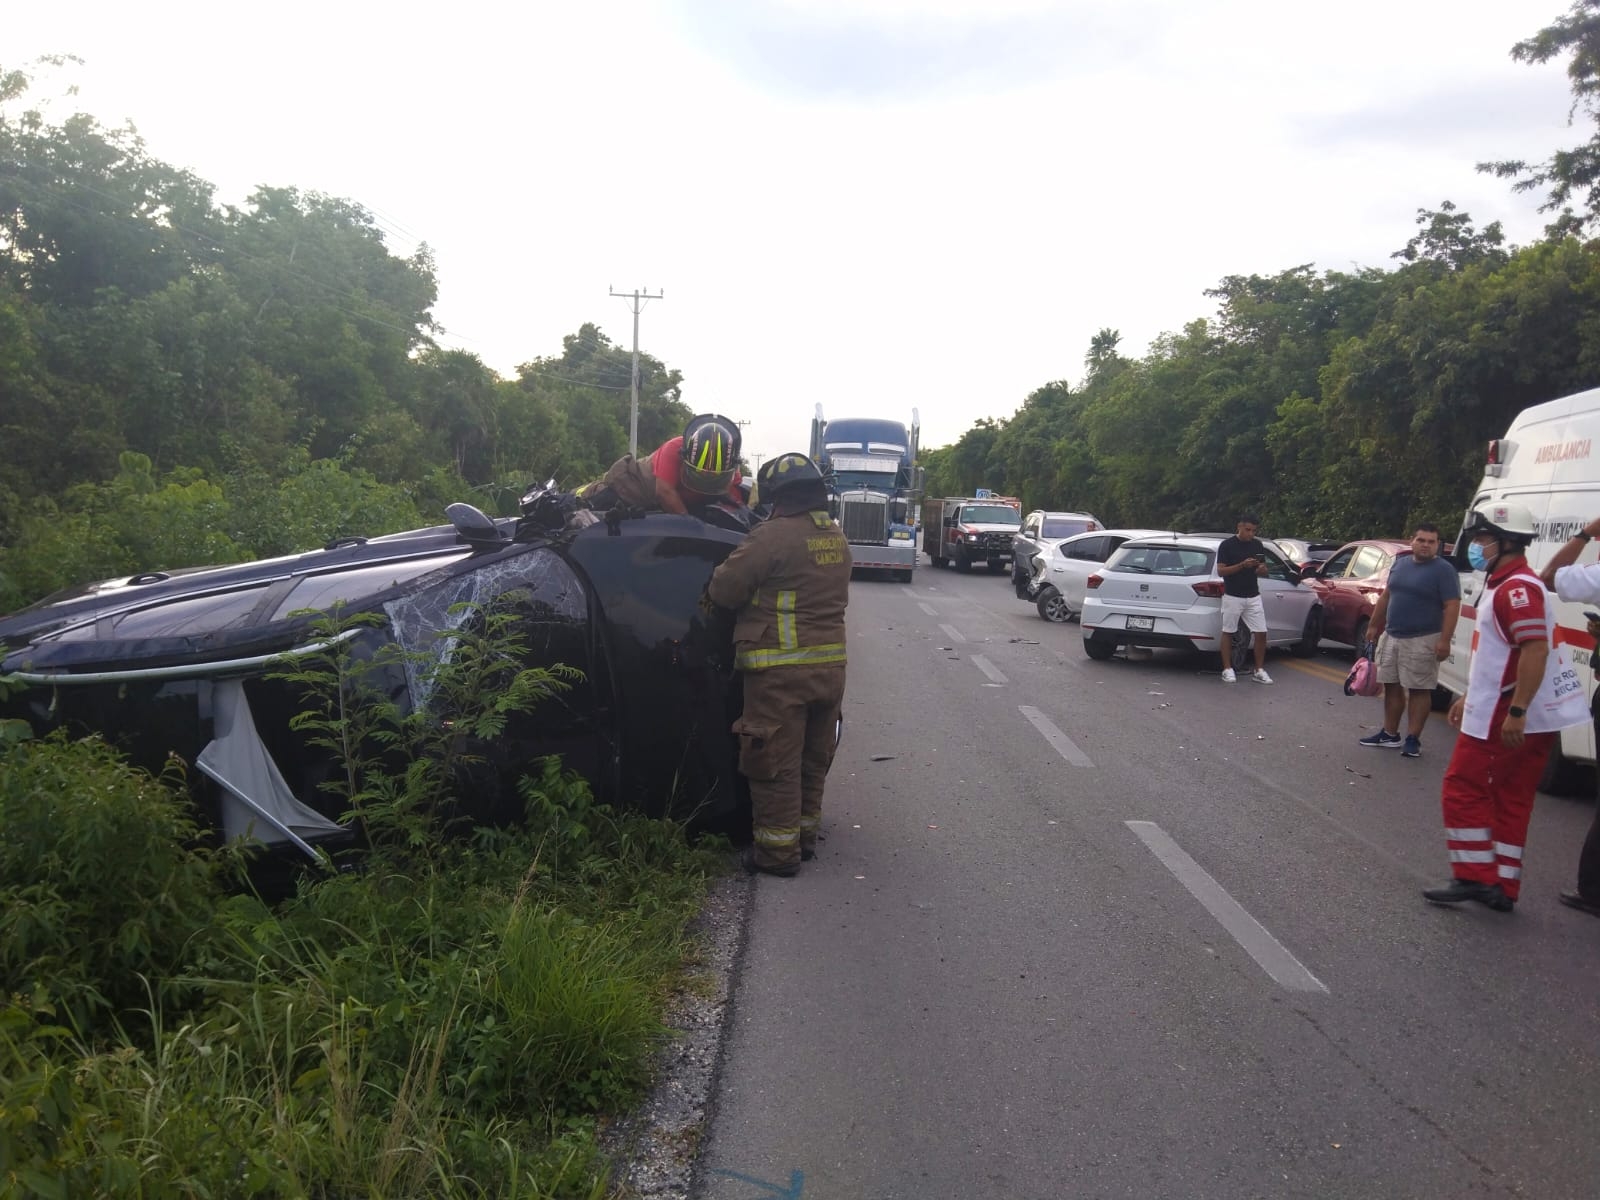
[[873, 486]]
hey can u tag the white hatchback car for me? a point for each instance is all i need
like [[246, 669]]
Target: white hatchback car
[[1061, 569], [1165, 591]]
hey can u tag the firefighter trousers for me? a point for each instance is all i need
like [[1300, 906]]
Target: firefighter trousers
[[786, 743], [1488, 800]]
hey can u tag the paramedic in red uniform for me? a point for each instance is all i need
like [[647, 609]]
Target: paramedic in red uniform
[[1519, 697]]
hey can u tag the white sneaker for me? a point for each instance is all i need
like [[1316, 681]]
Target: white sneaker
[[1228, 676], [1260, 675]]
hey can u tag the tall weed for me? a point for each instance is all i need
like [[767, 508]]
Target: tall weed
[[103, 884]]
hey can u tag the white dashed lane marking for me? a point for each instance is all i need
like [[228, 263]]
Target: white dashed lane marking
[[927, 608], [988, 668], [951, 632], [1269, 953], [1059, 742]]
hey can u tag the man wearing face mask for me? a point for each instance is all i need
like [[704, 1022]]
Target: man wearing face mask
[[1519, 696]]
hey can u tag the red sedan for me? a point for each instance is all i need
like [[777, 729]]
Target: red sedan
[[1350, 583]]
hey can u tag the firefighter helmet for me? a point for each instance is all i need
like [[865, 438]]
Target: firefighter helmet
[[778, 475], [710, 454]]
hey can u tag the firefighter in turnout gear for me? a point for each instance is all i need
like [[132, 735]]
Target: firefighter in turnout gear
[[683, 475], [787, 585]]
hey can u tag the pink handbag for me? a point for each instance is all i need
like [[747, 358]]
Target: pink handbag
[[1363, 679]]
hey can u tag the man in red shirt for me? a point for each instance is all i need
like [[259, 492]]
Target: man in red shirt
[[1519, 697]]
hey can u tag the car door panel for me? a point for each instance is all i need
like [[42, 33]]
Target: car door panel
[[1286, 602], [1338, 602]]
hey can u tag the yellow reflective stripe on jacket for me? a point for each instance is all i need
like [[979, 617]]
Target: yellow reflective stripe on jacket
[[805, 656], [786, 635], [776, 835]]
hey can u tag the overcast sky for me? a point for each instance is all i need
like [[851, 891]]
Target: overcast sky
[[880, 205]]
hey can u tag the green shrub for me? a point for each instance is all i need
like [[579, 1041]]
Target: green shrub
[[103, 887], [577, 1011]]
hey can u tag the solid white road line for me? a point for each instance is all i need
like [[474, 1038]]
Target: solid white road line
[[1059, 742], [1269, 953], [951, 632], [988, 668], [928, 608]]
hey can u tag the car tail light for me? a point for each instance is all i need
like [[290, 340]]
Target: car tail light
[[1493, 457], [1094, 580], [1210, 588]]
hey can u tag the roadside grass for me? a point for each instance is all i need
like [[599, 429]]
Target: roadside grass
[[452, 1020]]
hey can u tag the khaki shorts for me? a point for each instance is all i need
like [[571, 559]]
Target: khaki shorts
[[1410, 662]]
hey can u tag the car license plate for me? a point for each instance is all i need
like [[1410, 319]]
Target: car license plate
[[1141, 624]]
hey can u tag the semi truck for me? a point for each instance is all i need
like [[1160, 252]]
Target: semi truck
[[874, 483]]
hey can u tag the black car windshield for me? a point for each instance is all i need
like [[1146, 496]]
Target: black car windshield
[[1065, 527], [1161, 560], [990, 514]]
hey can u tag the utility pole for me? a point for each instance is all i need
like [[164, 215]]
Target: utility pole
[[638, 298]]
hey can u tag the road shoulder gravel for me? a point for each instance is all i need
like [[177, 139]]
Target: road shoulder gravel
[[655, 1148]]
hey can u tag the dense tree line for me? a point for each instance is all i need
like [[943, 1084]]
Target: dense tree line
[[186, 382], [1337, 404]]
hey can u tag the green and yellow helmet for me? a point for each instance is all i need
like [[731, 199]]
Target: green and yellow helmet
[[786, 471], [710, 454]]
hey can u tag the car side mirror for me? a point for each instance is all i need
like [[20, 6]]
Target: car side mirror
[[1311, 571]]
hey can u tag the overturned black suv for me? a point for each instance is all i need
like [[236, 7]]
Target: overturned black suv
[[191, 662]]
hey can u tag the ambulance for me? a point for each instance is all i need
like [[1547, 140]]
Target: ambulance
[[1549, 461]]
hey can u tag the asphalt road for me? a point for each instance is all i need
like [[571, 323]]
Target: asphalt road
[[1118, 929]]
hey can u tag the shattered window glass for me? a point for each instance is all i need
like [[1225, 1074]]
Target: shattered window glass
[[540, 582]]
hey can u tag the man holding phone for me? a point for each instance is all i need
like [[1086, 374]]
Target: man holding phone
[[1241, 561], [1572, 582]]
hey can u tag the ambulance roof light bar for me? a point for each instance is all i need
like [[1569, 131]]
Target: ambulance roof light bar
[[1498, 455]]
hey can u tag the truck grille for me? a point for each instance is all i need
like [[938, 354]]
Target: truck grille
[[865, 519]]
